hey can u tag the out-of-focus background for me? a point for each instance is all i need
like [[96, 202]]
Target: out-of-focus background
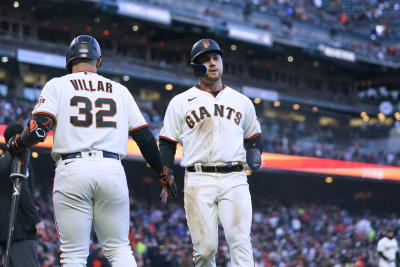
[[323, 76]]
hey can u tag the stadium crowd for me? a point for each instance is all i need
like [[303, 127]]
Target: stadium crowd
[[283, 234], [282, 135]]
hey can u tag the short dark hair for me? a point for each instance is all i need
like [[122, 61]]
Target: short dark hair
[[83, 60], [12, 130]]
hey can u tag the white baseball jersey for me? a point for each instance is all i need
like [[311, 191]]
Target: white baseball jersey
[[388, 247], [210, 128], [91, 112]]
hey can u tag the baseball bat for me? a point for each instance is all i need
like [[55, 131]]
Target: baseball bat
[[19, 174]]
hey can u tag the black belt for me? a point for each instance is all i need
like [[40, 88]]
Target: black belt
[[218, 169], [79, 155]]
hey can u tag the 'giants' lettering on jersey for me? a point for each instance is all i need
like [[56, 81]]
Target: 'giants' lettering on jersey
[[202, 113], [87, 85]]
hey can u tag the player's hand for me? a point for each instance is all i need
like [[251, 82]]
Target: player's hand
[[14, 145], [164, 196], [40, 229], [169, 186]]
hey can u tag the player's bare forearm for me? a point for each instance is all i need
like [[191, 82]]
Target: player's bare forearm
[[27, 140]]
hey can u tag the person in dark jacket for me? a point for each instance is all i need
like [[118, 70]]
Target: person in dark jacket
[[23, 252]]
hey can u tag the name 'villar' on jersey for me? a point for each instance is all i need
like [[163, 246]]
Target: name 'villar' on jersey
[[80, 84]]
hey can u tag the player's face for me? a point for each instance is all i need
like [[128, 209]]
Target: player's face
[[389, 234], [213, 61]]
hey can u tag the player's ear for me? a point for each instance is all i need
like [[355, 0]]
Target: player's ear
[[98, 63]]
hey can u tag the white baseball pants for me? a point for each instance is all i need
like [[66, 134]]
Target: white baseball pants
[[383, 263], [209, 197], [86, 191]]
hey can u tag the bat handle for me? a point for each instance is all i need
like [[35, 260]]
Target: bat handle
[[19, 165]]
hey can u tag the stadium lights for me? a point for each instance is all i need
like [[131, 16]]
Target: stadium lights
[[290, 59], [328, 180], [169, 87], [315, 109], [248, 172], [35, 155], [277, 104], [233, 47], [135, 28], [125, 78], [16, 4], [381, 116], [257, 100], [296, 107], [4, 59]]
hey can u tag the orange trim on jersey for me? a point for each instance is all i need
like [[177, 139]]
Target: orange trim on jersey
[[205, 90], [47, 114], [253, 136], [138, 128], [168, 139]]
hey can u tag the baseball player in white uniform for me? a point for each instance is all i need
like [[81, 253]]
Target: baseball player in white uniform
[[216, 126], [388, 249], [92, 116]]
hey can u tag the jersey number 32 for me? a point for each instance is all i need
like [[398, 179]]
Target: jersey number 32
[[86, 110]]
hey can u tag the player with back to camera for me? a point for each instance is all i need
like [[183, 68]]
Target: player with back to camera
[[219, 131], [92, 117]]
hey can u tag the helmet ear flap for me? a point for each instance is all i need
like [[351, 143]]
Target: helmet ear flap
[[199, 70]]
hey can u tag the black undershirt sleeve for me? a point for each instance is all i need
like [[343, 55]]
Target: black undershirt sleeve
[[167, 150], [148, 147], [383, 256], [254, 142]]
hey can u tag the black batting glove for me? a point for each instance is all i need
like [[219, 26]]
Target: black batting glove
[[14, 145], [167, 181]]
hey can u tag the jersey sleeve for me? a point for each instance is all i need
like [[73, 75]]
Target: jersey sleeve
[[136, 120], [380, 246], [47, 102], [251, 125], [172, 126]]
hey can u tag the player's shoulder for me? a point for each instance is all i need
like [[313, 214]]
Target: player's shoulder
[[54, 83], [237, 95], [184, 95], [115, 85]]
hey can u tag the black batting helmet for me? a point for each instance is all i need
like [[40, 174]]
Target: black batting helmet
[[200, 47], [83, 46]]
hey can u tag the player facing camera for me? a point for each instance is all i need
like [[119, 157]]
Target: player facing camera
[[206, 59]]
